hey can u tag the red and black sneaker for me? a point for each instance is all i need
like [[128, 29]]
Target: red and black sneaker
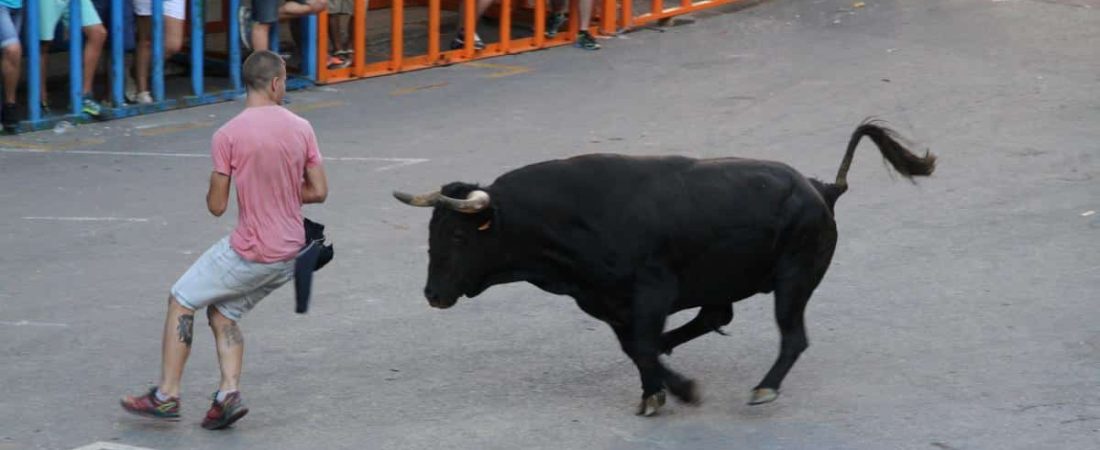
[[148, 406], [223, 414]]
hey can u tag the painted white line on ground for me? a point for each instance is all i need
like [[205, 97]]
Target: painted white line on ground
[[398, 162], [110, 446], [26, 323], [88, 219]]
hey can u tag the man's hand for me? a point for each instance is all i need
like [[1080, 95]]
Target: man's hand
[[217, 198], [315, 186]]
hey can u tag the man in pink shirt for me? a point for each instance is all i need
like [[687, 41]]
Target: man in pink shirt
[[272, 157]]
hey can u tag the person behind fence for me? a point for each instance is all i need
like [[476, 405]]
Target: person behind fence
[[52, 12], [339, 31], [271, 156], [460, 34], [555, 20], [255, 21], [11, 18], [174, 15]]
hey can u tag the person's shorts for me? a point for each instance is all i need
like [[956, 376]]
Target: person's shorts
[[52, 11], [267, 11], [230, 283], [175, 9], [336, 7], [10, 20]]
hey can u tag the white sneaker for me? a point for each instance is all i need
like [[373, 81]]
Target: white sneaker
[[131, 89], [143, 98]]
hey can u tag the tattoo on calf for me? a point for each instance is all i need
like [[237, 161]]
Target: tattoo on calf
[[232, 335], [185, 328]]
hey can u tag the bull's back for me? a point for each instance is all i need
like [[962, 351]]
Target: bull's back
[[717, 222]]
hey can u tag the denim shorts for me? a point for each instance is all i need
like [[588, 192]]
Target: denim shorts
[[267, 11], [10, 21], [232, 284]]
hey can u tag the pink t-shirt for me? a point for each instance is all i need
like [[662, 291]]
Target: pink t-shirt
[[266, 150]]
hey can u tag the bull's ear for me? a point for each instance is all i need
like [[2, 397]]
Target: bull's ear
[[485, 226]]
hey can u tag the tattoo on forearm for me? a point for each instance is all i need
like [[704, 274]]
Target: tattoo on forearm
[[184, 328], [233, 335]]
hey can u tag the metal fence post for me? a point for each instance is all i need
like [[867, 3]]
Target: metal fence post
[[158, 50], [117, 55], [76, 57], [198, 45], [34, 61], [235, 45]]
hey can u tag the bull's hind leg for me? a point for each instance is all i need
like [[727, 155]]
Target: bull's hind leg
[[799, 276], [710, 318]]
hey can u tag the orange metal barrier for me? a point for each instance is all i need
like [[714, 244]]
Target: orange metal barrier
[[657, 11], [528, 17], [509, 13]]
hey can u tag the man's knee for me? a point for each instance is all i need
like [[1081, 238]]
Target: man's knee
[[216, 318], [173, 45], [95, 33], [13, 52]]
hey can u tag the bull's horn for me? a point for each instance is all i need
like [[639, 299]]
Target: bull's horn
[[475, 201], [424, 200]]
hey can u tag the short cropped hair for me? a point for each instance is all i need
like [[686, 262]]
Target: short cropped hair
[[260, 68]]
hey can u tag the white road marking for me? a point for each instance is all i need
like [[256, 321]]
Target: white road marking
[[88, 219], [23, 323], [397, 162], [1087, 213], [110, 446]]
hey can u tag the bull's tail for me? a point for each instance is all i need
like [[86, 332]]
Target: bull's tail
[[907, 163]]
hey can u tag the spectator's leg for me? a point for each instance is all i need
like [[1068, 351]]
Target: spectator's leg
[[338, 32], [13, 57], [44, 52], [264, 14], [300, 8], [261, 33], [173, 36], [559, 6], [143, 57], [586, 14], [13, 53], [95, 36]]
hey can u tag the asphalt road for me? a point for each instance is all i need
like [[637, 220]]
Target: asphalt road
[[959, 313]]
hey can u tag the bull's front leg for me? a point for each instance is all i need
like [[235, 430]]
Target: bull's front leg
[[641, 340]]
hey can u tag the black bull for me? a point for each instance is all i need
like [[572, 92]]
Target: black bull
[[635, 239]]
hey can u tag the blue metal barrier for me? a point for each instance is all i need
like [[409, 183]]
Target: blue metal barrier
[[118, 76], [76, 57], [198, 46], [34, 58], [117, 28]]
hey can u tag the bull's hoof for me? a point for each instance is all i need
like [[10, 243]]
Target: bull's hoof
[[687, 392], [763, 395], [651, 404]]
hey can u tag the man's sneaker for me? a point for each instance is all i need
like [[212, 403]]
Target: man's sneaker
[[586, 41], [336, 62], [223, 414], [460, 43], [9, 117], [148, 406], [554, 22], [244, 26], [91, 107], [143, 98]]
